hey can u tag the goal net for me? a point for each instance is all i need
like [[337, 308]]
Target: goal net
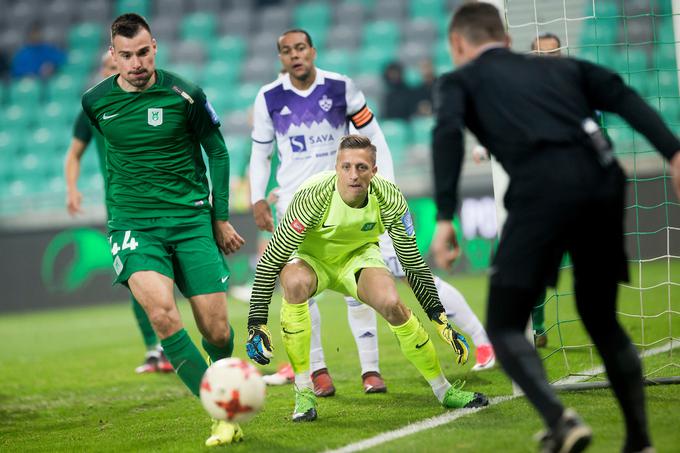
[[639, 39]]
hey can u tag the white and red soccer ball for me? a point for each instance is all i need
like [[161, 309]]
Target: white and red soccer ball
[[232, 390]]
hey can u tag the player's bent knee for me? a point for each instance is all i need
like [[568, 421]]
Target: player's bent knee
[[298, 284], [395, 312], [218, 337], [165, 322]]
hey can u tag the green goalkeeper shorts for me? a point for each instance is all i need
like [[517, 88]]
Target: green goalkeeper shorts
[[341, 276], [181, 248]]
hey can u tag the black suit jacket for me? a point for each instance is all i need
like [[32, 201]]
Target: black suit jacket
[[527, 111]]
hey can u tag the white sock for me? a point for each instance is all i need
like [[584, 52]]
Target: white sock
[[303, 380], [316, 357], [460, 313], [440, 385], [363, 323]]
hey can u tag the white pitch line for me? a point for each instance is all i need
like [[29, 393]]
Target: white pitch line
[[443, 419], [413, 428]]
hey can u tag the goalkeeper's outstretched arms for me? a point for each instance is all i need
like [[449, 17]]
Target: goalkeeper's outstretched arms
[[400, 228]]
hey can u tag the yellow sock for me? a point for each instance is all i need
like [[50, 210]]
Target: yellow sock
[[418, 348], [296, 331]]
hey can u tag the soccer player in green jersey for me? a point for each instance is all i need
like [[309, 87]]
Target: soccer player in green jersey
[[163, 228], [328, 239], [83, 132]]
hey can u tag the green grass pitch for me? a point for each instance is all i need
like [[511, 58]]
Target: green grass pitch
[[68, 385]]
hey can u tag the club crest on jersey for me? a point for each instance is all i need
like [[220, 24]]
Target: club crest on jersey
[[325, 103], [368, 226], [155, 117]]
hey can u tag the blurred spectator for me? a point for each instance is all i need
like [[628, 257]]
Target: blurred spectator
[[398, 100], [547, 44], [4, 66], [37, 58], [422, 94]]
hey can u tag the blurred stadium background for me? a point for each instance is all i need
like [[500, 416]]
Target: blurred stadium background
[[228, 47]]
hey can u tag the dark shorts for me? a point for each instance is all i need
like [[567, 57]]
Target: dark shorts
[[181, 248], [536, 236]]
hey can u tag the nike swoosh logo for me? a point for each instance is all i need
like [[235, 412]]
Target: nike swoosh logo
[[108, 117], [327, 226], [224, 279], [292, 333], [418, 346]]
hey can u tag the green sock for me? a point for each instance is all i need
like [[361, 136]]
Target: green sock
[[150, 339], [538, 315], [216, 352], [418, 348], [187, 361], [296, 331]]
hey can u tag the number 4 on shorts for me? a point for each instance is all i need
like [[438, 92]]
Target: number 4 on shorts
[[128, 243]]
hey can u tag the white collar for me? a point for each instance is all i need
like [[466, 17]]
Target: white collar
[[288, 85]]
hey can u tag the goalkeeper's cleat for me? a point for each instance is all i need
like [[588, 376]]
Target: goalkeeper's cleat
[[455, 398], [323, 384], [284, 375], [373, 382], [452, 337], [223, 433], [485, 358], [305, 405], [570, 435]]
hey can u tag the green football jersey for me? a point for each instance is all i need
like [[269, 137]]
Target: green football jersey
[[318, 223], [153, 148]]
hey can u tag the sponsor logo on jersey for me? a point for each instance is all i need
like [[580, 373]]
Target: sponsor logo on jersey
[[155, 117], [183, 93], [213, 114], [108, 117], [298, 144], [285, 110], [320, 139], [325, 103], [407, 221], [297, 226], [368, 226]]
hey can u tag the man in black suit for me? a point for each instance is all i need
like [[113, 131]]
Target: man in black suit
[[566, 194]]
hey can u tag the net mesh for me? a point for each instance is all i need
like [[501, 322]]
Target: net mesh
[[635, 38]]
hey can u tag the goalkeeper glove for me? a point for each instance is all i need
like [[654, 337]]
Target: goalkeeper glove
[[452, 337], [259, 344]]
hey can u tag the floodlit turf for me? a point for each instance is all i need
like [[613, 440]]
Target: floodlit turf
[[68, 385]]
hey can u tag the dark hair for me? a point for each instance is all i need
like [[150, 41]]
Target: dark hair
[[355, 141], [478, 23], [545, 35], [128, 25], [294, 30]]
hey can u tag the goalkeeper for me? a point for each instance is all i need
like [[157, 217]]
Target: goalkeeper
[[328, 239]]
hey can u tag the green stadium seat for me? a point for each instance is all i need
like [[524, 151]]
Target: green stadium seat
[[10, 145], [664, 30], [634, 60], [421, 130], [162, 56], [381, 33], [239, 155], [374, 105], [87, 36], [220, 73], [3, 93], [230, 49], [397, 136], [373, 59], [312, 16], [63, 87], [337, 60], [133, 6], [26, 91], [189, 72], [16, 118], [243, 96], [412, 76], [668, 84], [199, 27], [218, 96], [664, 56], [431, 9]]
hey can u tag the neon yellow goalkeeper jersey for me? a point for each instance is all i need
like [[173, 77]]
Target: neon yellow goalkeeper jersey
[[318, 223]]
